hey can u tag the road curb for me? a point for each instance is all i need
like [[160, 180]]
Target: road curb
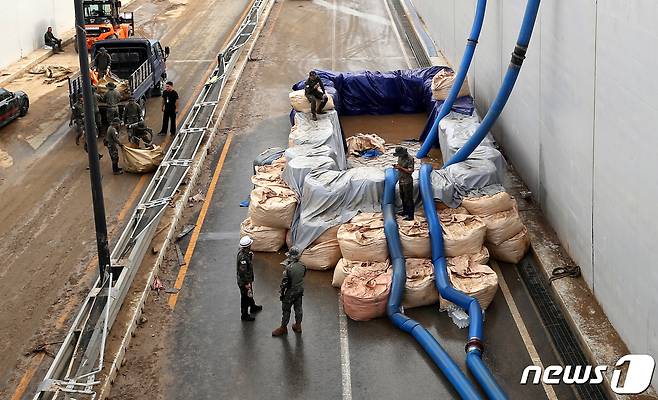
[[136, 308]]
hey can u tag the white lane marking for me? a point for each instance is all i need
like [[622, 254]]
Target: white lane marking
[[333, 36], [397, 35], [520, 325], [344, 352], [350, 11]]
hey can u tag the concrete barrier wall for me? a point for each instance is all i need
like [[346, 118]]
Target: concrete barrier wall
[[580, 128], [23, 27]]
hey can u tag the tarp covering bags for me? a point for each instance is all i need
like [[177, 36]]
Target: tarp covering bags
[[363, 238], [141, 161], [300, 103], [443, 82], [272, 206], [365, 293], [265, 238], [473, 279], [419, 289], [324, 253], [323, 132], [295, 172], [345, 267]]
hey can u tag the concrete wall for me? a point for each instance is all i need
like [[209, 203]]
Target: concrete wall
[[580, 128], [22, 28]]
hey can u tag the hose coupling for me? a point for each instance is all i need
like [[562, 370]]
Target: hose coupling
[[474, 344], [518, 55], [474, 42]]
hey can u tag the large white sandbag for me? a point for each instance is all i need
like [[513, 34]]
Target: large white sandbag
[[513, 249], [300, 103], [272, 206], [414, 237], [344, 268], [474, 280], [324, 253], [462, 234], [363, 238], [365, 293], [503, 225], [265, 239], [488, 204], [442, 83], [419, 289]]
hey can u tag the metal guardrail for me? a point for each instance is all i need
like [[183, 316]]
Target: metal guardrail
[[80, 358]]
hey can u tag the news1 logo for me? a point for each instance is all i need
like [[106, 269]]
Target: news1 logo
[[637, 377]]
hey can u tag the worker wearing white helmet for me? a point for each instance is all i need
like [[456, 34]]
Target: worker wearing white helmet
[[245, 272]]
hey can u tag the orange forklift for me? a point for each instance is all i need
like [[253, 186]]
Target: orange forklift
[[103, 20]]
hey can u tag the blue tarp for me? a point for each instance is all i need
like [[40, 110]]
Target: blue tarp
[[381, 93]]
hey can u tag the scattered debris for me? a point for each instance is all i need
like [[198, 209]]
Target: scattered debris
[[157, 285], [54, 73], [43, 348], [197, 198], [525, 194], [186, 230], [179, 254], [172, 291], [562, 272], [143, 320]]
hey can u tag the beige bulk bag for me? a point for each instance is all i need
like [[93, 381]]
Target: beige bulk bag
[[265, 238], [365, 293], [272, 206], [270, 175], [344, 268], [324, 253], [462, 234], [474, 280], [419, 289], [415, 237], [481, 257], [442, 83], [447, 211], [365, 141], [512, 250], [141, 161], [502, 225], [363, 238], [488, 204], [300, 103]]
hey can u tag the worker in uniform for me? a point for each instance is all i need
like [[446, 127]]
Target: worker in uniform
[[132, 114], [405, 166], [112, 142], [292, 292], [112, 100], [97, 111], [78, 118], [102, 62], [143, 133], [245, 272], [315, 94]]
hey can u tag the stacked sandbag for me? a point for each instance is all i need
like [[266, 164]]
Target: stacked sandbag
[[272, 206], [415, 237], [473, 279], [362, 142], [265, 239], [345, 267], [324, 253], [445, 211], [462, 234], [420, 289], [270, 175], [365, 293], [481, 257], [363, 238], [300, 103], [507, 237], [442, 83]]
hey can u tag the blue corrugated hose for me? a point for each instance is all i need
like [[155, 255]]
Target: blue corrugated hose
[[449, 368], [430, 140], [468, 303]]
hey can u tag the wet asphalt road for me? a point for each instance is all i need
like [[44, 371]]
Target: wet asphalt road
[[213, 355]]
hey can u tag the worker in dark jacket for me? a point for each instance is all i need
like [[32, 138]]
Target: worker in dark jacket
[[112, 142], [292, 291], [50, 40], [405, 166], [315, 94], [245, 272], [132, 115], [112, 100], [102, 62]]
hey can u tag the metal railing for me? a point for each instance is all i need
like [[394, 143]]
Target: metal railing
[[80, 358]]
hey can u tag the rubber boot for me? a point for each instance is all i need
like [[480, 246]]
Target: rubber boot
[[256, 308], [280, 331], [247, 317], [297, 327]]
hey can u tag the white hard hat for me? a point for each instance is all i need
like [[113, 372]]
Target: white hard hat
[[246, 241]]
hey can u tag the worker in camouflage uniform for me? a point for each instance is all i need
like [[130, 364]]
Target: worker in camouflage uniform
[[405, 166], [245, 274], [112, 142], [143, 133], [112, 100], [102, 62], [97, 111], [78, 118], [132, 115], [292, 292], [315, 94]]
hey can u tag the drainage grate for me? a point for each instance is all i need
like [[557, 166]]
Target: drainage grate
[[404, 26], [563, 339]]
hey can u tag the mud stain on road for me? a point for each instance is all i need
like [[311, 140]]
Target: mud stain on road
[[6, 160]]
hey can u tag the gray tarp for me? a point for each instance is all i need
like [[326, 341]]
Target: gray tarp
[[325, 131], [296, 170], [308, 150], [471, 174], [455, 129]]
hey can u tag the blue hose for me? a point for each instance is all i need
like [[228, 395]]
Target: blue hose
[[474, 345], [393, 308], [532, 8], [459, 79]]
